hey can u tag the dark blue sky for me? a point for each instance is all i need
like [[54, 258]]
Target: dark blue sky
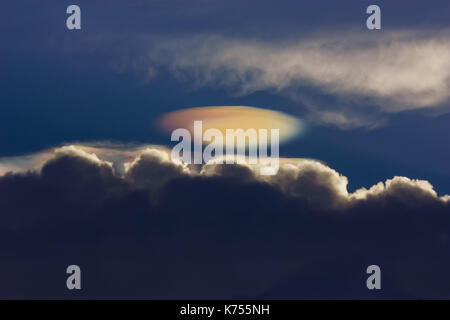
[[61, 86]]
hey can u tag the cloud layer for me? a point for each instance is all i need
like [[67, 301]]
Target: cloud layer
[[390, 71], [164, 230]]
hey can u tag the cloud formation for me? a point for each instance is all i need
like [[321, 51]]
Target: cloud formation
[[165, 230], [392, 71], [307, 179]]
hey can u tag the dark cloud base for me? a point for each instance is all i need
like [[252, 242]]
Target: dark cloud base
[[220, 236]]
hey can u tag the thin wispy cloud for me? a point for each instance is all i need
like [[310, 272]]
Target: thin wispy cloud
[[392, 71]]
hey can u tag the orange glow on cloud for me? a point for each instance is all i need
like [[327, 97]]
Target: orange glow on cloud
[[232, 117]]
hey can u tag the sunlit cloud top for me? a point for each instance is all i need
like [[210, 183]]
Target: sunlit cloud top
[[316, 183]]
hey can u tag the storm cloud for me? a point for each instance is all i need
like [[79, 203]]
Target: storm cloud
[[164, 230]]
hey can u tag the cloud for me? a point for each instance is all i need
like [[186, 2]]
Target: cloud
[[74, 152], [153, 168], [407, 68], [24, 162], [118, 155], [150, 167], [178, 229], [390, 72], [226, 118]]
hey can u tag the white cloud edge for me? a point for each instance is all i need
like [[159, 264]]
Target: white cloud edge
[[296, 177]]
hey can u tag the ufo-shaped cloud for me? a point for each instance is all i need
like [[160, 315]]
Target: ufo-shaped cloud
[[232, 117]]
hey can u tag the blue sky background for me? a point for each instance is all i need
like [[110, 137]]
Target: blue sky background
[[60, 86]]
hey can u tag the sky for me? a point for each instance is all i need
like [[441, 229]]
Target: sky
[[365, 179]]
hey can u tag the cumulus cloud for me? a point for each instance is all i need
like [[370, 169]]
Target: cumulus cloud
[[154, 168], [118, 155], [177, 229], [309, 180], [74, 152], [411, 191]]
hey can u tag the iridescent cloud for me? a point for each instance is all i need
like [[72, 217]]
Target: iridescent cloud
[[232, 117]]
